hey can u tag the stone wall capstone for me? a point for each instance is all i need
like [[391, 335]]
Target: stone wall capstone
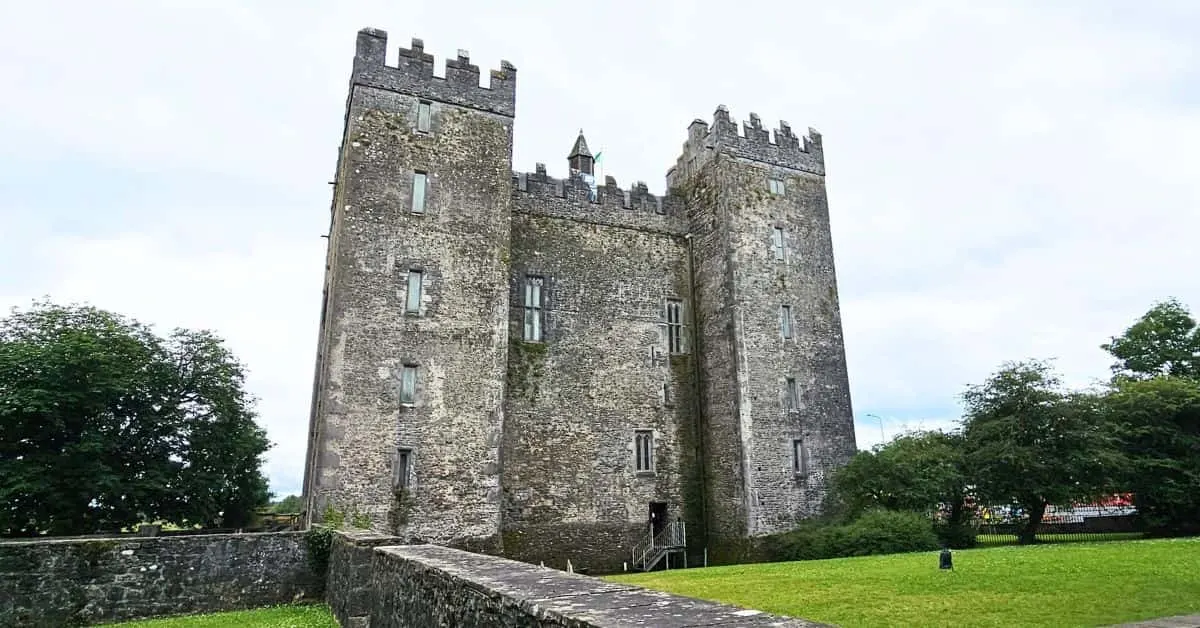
[[57, 582], [430, 585]]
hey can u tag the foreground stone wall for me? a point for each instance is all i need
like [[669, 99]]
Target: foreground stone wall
[[348, 583], [61, 582], [429, 585]]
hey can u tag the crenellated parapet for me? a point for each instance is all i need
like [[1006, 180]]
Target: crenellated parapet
[[751, 141], [573, 197], [413, 75]]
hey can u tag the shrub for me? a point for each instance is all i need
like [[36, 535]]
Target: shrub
[[875, 532]]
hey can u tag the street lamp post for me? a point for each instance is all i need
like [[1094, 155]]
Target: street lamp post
[[882, 438]]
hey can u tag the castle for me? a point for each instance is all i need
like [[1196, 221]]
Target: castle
[[555, 369]]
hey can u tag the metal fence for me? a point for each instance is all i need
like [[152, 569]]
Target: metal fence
[[1111, 519]]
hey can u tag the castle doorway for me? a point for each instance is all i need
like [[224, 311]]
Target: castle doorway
[[658, 517]]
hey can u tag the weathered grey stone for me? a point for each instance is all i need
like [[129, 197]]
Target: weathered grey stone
[[81, 581], [348, 582], [438, 586], [527, 448]]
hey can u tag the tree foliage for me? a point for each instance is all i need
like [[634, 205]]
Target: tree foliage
[[913, 472], [1031, 444], [1155, 407], [1164, 341], [104, 425], [288, 505], [1158, 421]]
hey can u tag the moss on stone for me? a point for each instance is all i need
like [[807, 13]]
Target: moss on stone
[[526, 366]]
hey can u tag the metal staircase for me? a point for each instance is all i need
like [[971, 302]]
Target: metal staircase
[[672, 539]]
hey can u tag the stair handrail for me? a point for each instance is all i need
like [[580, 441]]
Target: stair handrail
[[674, 534]]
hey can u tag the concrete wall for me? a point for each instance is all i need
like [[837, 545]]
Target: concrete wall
[[82, 581], [428, 585]]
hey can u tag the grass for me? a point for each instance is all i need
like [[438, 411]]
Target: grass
[[1074, 584], [297, 616]]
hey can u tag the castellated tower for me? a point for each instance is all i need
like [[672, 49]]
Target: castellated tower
[[408, 403], [775, 393], [560, 369]]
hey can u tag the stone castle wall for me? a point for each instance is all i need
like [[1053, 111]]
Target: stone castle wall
[[58, 582], [601, 371], [455, 340]]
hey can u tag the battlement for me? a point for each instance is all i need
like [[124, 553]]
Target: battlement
[[413, 75], [572, 198], [751, 141], [608, 195]]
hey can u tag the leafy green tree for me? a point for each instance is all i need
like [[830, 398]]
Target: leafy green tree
[[914, 472], [287, 505], [1164, 341], [104, 425], [1031, 444], [1158, 422]]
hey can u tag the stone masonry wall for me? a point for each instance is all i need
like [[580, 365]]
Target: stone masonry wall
[[767, 456], [721, 447], [457, 340], [348, 582], [574, 399], [427, 585], [84, 581], [789, 445], [820, 418]]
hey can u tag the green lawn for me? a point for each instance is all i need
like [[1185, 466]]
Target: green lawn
[[310, 616], [1074, 584]]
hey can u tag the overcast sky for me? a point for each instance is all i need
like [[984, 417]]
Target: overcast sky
[[1014, 181]]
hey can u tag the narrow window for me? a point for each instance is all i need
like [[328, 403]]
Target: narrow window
[[418, 194], [401, 469], [674, 326], [643, 441], [533, 308], [408, 384], [793, 395], [777, 242], [777, 187], [423, 117], [785, 321], [412, 302], [799, 458], [668, 400]]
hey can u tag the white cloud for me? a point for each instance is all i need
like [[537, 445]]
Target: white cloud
[[1005, 182]]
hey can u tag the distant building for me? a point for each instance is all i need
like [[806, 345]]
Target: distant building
[[553, 369]]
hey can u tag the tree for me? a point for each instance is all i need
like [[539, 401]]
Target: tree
[[104, 425], [287, 505], [1030, 444], [1158, 422], [1164, 341], [915, 472]]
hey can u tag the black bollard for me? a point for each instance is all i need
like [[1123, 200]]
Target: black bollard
[[945, 560]]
